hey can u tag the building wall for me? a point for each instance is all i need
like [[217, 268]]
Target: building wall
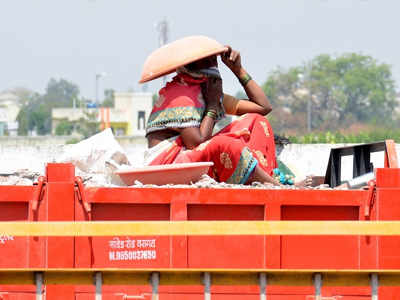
[[9, 109], [69, 114], [123, 116], [141, 105]]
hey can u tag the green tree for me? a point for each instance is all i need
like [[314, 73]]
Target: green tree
[[284, 91], [354, 86], [64, 128], [88, 125], [282, 86], [35, 113], [40, 119], [60, 93], [23, 120], [108, 98], [342, 89], [24, 97]]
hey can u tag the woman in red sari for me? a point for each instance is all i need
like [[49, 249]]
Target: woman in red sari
[[180, 126]]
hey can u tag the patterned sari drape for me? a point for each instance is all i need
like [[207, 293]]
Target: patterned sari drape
[[235, 150]]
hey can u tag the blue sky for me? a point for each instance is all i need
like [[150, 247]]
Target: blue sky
[[76, 39]]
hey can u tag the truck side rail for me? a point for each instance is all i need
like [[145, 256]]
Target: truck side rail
[[155, 277]]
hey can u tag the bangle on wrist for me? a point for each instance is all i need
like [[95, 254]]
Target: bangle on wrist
[[212, 114], [212, 108], [244, 79]]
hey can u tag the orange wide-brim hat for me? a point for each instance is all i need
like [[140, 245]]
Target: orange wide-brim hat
[[171, 56]]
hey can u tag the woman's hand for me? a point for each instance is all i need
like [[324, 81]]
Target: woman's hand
[[258, 101], [232, 60], [212, 92]]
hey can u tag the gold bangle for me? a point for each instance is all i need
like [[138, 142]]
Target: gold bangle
[[244, 80], [212, 114]]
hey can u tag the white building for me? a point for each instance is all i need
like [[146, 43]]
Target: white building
[[128, 116], [9, 109]]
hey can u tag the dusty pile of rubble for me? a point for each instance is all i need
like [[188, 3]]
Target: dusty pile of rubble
[[19, 177], [97, 157]]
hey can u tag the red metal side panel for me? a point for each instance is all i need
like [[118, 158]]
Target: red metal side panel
[[388, 178], [60, 251], [236, 297], [226, 251], [125, 204], [333, 252], [179, 244], [15, 205], [388, 208], [125, 251], [60, 207], [131, 251], [311, 297], [58, 172], [231, 252], [387, 203], [14, 250], [19, 296], [20, 252], [183, 296], [250, 297], [192, 296], [203, 204], [112, 296]]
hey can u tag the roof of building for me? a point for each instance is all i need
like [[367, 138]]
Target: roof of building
[[7, 97]]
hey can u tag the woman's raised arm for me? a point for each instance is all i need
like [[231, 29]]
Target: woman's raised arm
[[258, 100], [194, 136]]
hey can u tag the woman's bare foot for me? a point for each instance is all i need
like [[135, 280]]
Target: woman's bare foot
[[260, 175]]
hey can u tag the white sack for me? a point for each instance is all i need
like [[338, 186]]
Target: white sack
[[95, 154]]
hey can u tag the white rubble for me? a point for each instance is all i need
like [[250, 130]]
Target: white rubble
[[97, 157], [312, 159], [95, 154]]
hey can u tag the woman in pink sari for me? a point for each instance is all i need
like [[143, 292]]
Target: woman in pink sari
[[181, 124]]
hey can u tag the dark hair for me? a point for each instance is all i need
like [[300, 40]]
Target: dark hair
[[193, 66]]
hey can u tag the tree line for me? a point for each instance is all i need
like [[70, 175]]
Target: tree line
[[346, 93], [350, 90], [35, 113]]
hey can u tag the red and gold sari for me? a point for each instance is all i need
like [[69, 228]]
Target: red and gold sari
[[235, 150]]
